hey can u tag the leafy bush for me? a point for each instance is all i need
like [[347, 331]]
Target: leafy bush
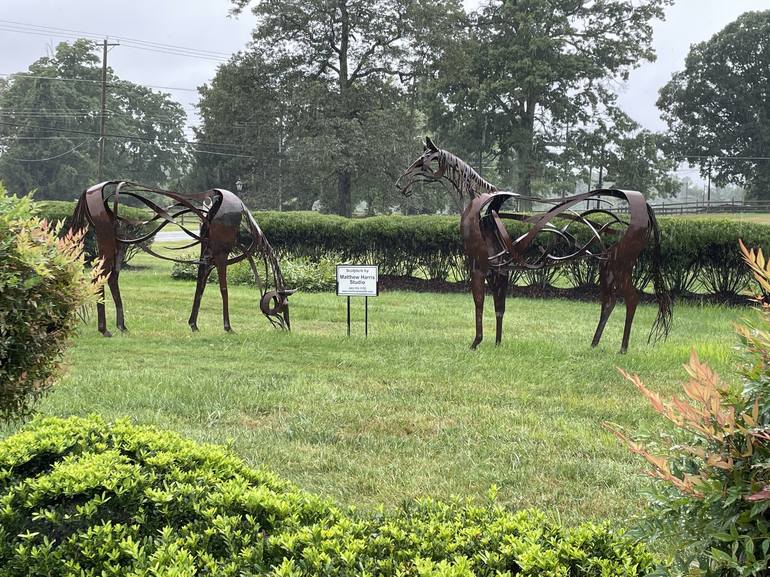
[[79, 496], [714, 502], [42, 286], [299, 273]]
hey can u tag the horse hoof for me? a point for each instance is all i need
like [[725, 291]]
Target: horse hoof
[[123, 329], [194, 328], [106, 333], [228, 329]]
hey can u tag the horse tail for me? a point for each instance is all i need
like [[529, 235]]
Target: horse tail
[[79, 220], [662, 324]]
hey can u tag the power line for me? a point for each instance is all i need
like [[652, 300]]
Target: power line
[[100, 36], [126, 136], [70, 151], [727, 157], [175, 50], [109, 83]]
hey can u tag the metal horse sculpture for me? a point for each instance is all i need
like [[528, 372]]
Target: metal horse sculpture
[[492, 253], [221, 239]]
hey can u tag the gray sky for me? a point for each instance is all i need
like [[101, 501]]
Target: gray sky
[[205, 25]]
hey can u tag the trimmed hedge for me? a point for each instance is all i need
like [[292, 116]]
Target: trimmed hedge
[[699, 254], [300, 273], [79, 496]]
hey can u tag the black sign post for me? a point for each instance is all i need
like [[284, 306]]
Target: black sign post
[[358, 281]]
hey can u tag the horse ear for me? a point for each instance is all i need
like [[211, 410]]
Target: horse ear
[[429, 145]]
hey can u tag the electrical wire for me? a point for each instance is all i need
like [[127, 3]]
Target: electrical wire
[[70, 151], [109, 82], [147, 45], [143, 139]]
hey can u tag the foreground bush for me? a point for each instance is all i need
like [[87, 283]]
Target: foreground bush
[[43, 285], [79, 496], [713, 502]]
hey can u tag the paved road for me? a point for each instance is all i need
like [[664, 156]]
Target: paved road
[[172, 236]]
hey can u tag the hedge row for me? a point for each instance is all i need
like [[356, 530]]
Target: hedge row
[[699, 254], [79, 496]]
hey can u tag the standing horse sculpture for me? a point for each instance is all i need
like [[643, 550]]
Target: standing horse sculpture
[[493, 254], [220, 213]]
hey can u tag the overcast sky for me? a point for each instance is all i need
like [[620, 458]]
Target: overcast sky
[[205, 25]]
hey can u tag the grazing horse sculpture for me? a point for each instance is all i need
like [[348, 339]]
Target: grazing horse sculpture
[[220, 213], [492, 253]]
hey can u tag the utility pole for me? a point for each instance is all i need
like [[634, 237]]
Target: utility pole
[[601, 168], [103, 114], [708, 197]]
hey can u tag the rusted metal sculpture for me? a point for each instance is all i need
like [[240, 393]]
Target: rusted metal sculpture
[[222, 239], [492, 254]]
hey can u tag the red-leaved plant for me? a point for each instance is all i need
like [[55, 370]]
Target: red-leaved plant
[[712, 506]]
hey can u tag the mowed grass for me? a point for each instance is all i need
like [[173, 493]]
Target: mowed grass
[[408, 412]]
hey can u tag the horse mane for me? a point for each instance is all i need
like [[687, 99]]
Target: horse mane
[[467, 182]]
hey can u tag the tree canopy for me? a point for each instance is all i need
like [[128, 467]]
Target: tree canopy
[[49, 127], [351, 63], [531, 72], [718, 107]]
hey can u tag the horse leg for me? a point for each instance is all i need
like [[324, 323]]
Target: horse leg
[[477, 288], [101, 315], [499, 291], [608, 303], [112, 281], [631, 296], [204, 269], [221, 263]]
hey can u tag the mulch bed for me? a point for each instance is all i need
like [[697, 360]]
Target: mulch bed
[[588, 294]]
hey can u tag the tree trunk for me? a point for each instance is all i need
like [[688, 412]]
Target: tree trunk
[[526, 162], [344, 207], [344, 200]]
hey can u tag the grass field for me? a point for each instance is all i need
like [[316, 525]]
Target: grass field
[[410, 411]]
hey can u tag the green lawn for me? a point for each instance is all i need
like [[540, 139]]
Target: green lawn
[[410, 411]]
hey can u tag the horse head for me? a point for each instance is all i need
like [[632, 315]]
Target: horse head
[[275, 306], [429, 167]]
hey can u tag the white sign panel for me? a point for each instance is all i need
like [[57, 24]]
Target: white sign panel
[[357, 280]]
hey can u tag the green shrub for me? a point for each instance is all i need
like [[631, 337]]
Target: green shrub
[[299, 273], [43, 285], [712, 505], [79, 496]]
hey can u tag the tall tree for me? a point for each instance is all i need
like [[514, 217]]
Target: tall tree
[[49, 127], [719, 105], [358, 53], [532, 64]]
